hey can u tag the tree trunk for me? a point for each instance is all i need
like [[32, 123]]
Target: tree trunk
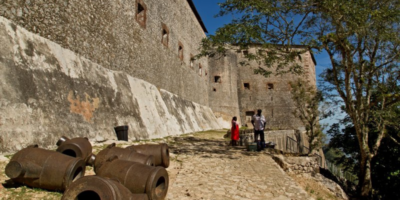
[[365, 183]]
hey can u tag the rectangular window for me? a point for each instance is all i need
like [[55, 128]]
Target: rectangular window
[[164, 34], [200, 70], [270, 86], [180, 51], [249, 116], [141, 10], [217, 79], [245, 53], [246, 86], [191, 61]]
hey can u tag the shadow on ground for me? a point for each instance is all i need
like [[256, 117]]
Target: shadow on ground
[[207, 148]]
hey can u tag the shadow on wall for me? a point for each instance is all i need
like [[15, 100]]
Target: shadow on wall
[[47, 92]]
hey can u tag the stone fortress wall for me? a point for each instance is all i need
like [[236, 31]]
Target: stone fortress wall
[[124, 35], [223, 90], [47, 91], [271, 94], [146, 40]]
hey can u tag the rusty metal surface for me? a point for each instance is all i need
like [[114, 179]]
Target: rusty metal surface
[[124, 154], [76, 147], [44, 169], [99, 188], [138, 178], [159, 151]]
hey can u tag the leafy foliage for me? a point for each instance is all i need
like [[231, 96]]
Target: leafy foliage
[[307, 100], [343, 150]]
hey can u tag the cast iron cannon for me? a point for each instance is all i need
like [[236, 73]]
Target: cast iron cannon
[[44, 169], [159, 151], [138, 178], [98, 188], [76, 147], [123, 154]]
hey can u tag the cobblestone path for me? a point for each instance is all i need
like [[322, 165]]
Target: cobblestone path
[[210, 169]]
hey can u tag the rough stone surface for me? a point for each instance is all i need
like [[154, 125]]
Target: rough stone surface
[[209, 169], [298, 165], [331, 185], [275, 102], [107, 32], [111, 34], [223, 91], [47, 91]]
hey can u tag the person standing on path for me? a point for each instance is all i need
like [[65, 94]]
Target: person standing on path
[[234, 131], [258, 122]]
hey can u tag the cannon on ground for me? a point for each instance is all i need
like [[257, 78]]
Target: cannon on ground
[[124, 154], [159, 151], [138, 178], [44, 169], [97, 188], [76, 147]]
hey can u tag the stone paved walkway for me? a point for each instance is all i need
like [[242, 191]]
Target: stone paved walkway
[[210, 169]]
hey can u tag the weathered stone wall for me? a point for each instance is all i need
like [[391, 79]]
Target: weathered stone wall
[[223, 92], [107, 32], [47, 91], [276, 101], [298, 165]]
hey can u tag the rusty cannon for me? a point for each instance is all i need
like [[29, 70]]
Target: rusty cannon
[[98, 188], [123, 154], [159, 151], [138, 178], [76, 147], [44, 169]]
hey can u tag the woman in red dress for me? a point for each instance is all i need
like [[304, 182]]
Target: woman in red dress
[[234, 131]]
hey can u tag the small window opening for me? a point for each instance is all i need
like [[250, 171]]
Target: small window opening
[[200, 69], [206, 73], [246, 86], [245, 53], [250, 113], [191, 60], [217, 79], [141, 13], [249, 117], [214, 89], [165, 35], [270, 86], [272, 112], [272, 98], [180, 51]]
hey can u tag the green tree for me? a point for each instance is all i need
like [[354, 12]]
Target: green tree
[[385, 166], [307, 101], [361, 38]]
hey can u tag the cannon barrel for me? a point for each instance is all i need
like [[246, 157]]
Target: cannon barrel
[[44, 169], [123, 154], [159, 151], [97, 188], [76, 147], [138, 178]]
